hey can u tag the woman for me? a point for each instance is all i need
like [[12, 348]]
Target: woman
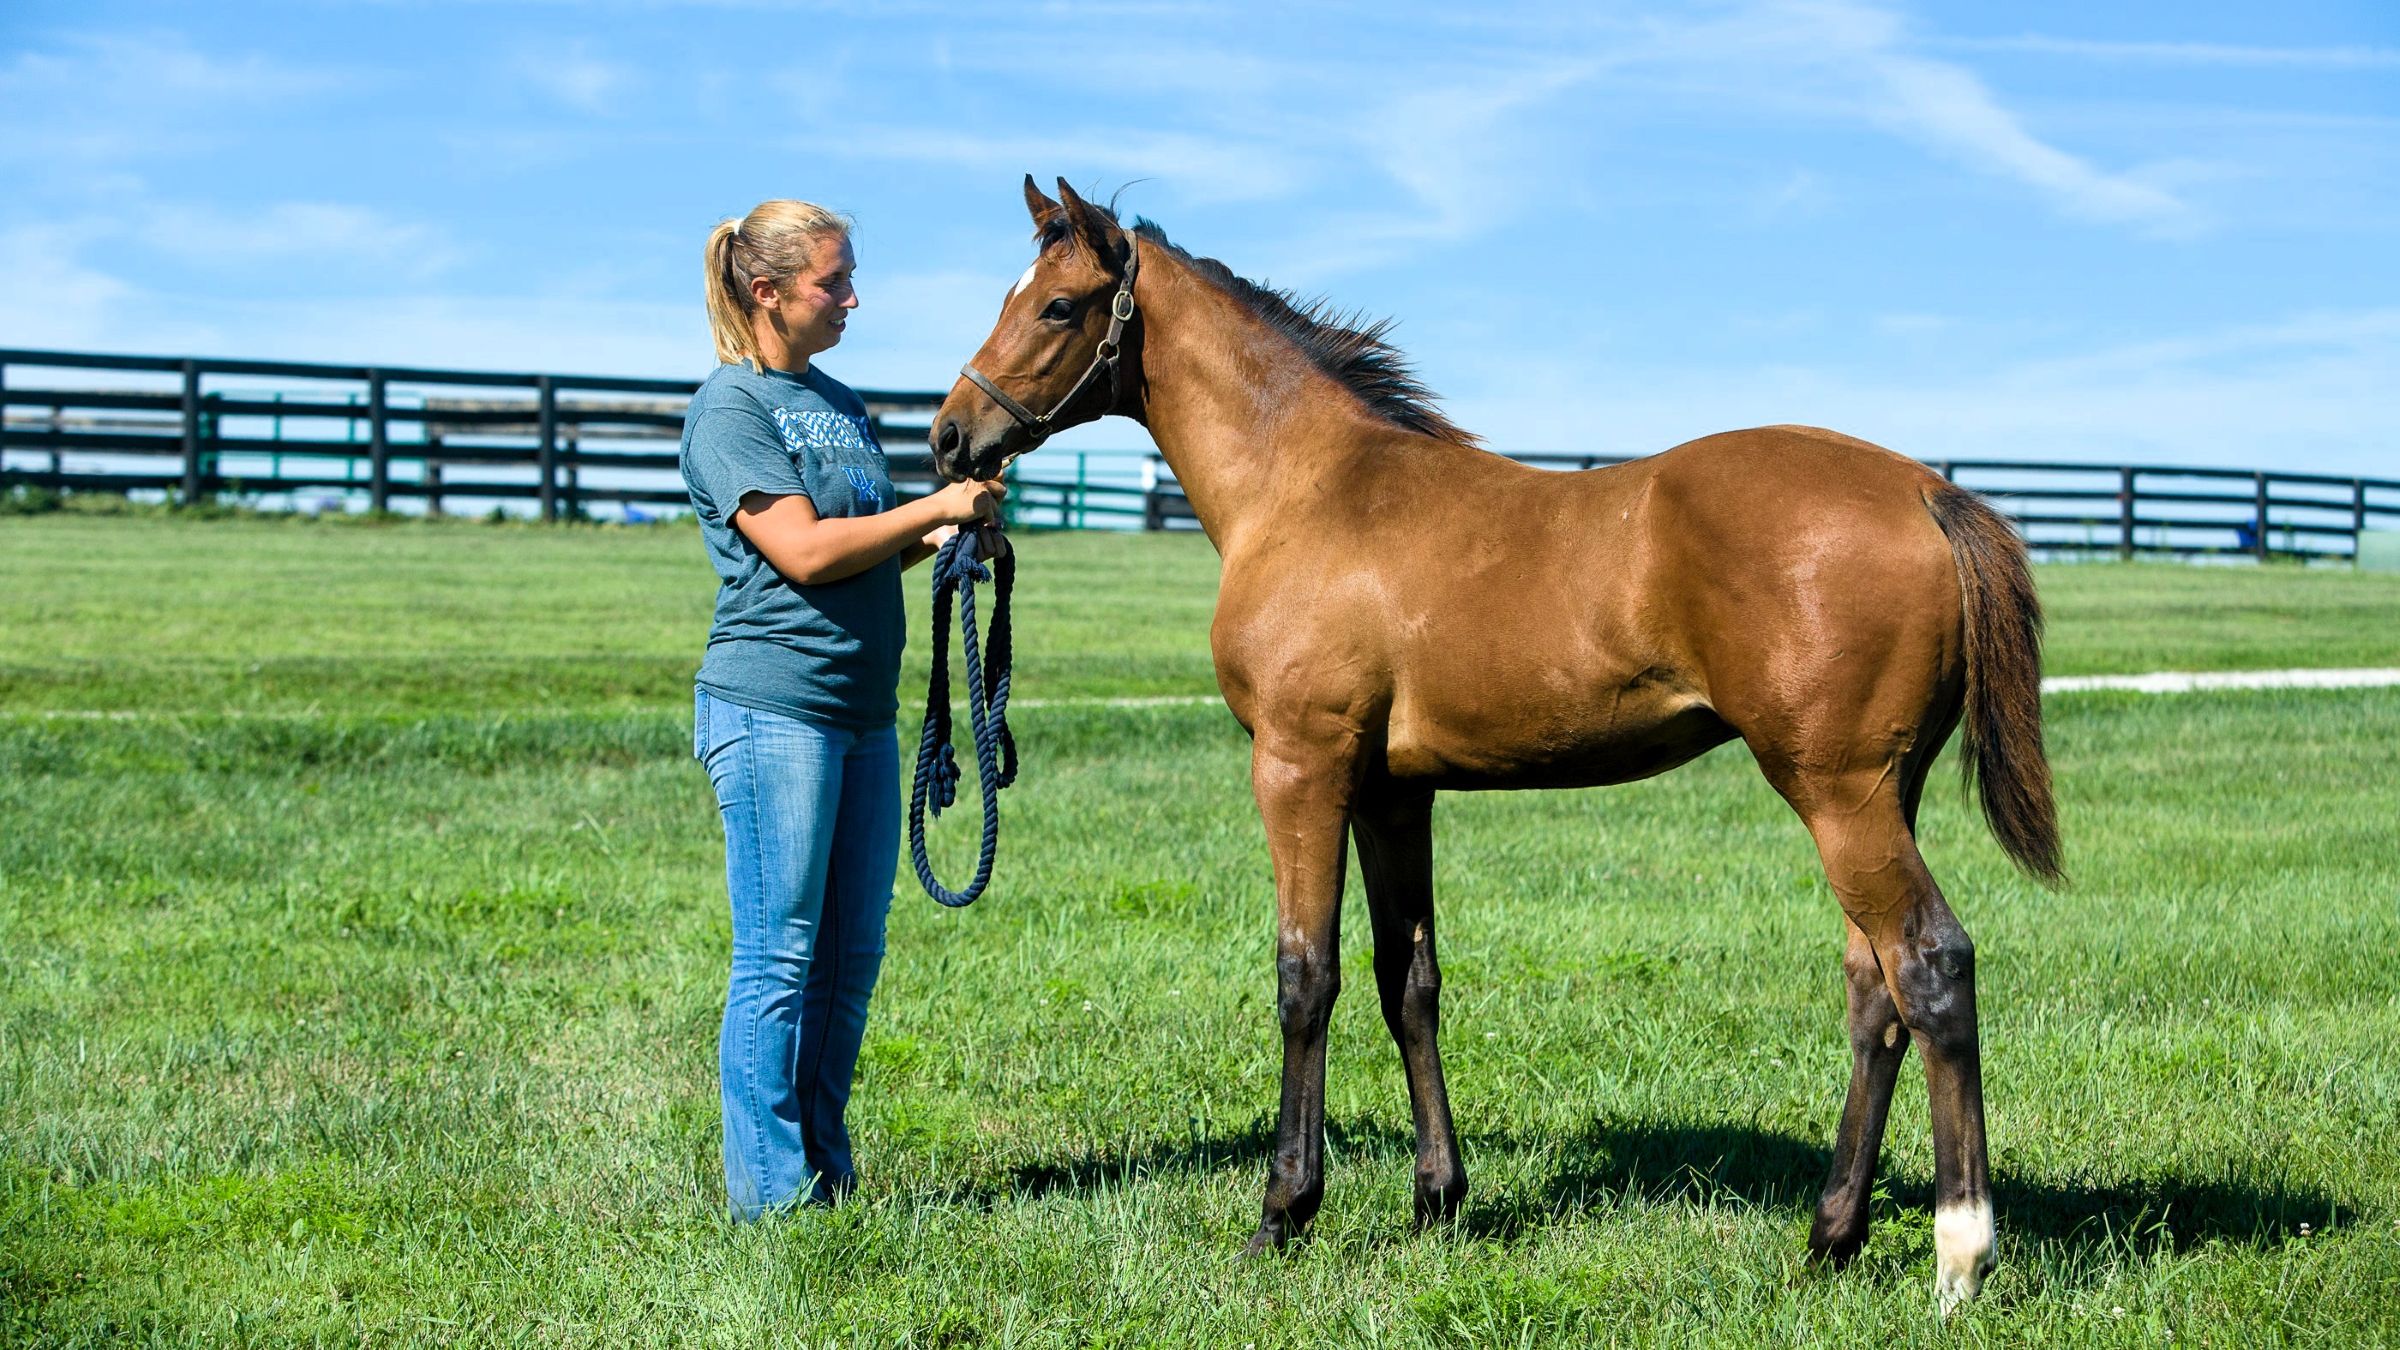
[[794, 710]]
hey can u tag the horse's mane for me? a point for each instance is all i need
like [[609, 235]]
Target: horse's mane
[[1348, 347]]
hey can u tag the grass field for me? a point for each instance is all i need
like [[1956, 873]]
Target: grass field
[[360, 982]]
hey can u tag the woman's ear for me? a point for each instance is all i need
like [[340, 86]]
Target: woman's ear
[[765, 294]]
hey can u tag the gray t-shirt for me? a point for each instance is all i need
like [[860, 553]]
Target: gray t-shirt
[[831, 651]]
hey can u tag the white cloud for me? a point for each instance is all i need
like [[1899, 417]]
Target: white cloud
[[2186, 53], [1912, 325], [150, 69], [1797, 194], [292, 231], [86, 103], [1950, 109], [2313, 390], [911, 331], [49, 297], [577, 78], [1460, 155], [1452, 136], [1200, 167], [1858, 60]]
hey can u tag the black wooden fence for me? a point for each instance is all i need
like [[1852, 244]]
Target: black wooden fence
[[196, 430], [396, 433]]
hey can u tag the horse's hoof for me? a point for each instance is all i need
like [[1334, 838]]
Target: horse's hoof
[[1835, 1251], [1265, 1242], [1439, 1202]]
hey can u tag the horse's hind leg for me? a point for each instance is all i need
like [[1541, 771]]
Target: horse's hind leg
[[1928, 968], [1395, 856], [1876, 1048]]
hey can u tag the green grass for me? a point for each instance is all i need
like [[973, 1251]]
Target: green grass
[[400, 617], [392, 1019], [341, 616]]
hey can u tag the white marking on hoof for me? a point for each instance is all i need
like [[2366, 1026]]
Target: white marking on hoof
[[1963, 1243]]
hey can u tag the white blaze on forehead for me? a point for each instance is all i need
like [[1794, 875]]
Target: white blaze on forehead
[[1012, 291]]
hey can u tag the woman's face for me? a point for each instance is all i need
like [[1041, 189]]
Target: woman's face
[[814, 307]]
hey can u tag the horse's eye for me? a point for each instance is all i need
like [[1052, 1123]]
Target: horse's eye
[[1061, 308]]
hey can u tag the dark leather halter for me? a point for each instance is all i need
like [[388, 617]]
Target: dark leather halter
[[1120, 312]]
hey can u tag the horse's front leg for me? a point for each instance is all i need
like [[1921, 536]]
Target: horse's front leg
[[1304, 799]]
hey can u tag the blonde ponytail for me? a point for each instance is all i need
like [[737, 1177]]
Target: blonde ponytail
[[777, 240]]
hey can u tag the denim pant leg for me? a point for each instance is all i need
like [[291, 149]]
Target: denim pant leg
[[778, 784], [849, 952]]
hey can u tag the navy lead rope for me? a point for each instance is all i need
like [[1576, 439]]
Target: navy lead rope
[[956, 569]]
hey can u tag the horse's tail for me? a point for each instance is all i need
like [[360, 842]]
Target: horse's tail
[[2003, 750]]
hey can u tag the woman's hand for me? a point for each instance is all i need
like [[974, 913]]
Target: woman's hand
[[970, 501], [811, 552]]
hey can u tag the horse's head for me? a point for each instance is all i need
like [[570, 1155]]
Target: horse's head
[[1056, 357]]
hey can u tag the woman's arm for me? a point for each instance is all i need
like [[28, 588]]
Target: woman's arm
[[809, 550]]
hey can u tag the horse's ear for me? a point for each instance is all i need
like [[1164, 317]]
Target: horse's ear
[[1092, 227], [1041, 208]]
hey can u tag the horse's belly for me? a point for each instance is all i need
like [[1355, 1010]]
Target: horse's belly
[[1496, 742]]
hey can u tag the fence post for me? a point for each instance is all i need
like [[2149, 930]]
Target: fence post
[[58, 453], [379, 447], [2125, 513], [191, 432], [2358, 514], [4, 422], [574, 458], [1154, 509], [433, 474], [1943, 469], [549, 447], [2259, 547]]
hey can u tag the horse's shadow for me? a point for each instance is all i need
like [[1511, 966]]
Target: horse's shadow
[[1607, 1163]]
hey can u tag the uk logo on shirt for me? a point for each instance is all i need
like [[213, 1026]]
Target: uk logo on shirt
[[865, 486]]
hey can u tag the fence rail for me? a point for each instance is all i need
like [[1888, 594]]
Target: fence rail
[[389, 437]]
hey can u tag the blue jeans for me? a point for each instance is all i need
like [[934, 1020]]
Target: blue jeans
[[812, 838]]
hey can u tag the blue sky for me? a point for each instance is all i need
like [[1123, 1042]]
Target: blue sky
[[2158, 232]]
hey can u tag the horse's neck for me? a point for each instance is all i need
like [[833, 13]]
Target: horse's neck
[[1235, 407]]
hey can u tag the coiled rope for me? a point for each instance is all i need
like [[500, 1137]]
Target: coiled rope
[[957, 569]]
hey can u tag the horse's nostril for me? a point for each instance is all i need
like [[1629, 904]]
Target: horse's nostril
[[948, 444]]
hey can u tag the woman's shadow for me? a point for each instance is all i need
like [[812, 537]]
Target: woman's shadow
[[1607, 1162]]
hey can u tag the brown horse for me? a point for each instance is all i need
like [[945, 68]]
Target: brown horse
[[1402, 612]]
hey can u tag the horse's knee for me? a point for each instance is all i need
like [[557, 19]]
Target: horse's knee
[[1306, 981]]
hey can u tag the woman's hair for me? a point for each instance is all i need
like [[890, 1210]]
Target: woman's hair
[[777, 240]]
